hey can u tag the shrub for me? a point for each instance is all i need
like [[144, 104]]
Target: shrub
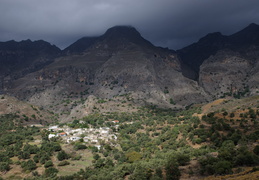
[[172, 101], [133, 156], [77, 157], [63, 163], [172, 170], [79, 146], [223, 167], [4, 166], [246, 158], [51, 172], [28, 165], [48, 164], [182, 159], [62, 155]]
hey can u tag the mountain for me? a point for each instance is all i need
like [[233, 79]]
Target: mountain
[[195, 54], [20, 58], [94, 71], [115, 37], [80, 45], [118, 62], [225, 65], [245, 37]]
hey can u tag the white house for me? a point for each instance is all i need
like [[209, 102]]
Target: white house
[[94, 141], [51, 136], [53, 128], [98, 146], [104, 132], [73, 139]]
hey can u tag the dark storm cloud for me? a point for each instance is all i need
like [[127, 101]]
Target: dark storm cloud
[[168, 23]]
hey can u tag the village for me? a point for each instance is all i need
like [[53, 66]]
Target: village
[[91, 136]]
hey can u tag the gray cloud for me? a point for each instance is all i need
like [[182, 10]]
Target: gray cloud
[[167, 23]]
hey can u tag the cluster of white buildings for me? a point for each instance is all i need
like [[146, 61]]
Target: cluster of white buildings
[[89, 135]]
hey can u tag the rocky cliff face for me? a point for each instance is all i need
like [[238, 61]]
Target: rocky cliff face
[[122, 63], [225, 65], [194, 55], [117, 63], [225, 73], [20, 58]]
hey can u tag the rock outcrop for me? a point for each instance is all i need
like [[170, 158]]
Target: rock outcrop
[[121, 62]]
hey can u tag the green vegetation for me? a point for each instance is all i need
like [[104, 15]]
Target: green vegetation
[[152, 143]]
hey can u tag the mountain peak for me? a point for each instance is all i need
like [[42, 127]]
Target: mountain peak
[[249, 35], [28, 45], [118, 35], [114, 37], [212, 37], [253, 26], [122, 31]]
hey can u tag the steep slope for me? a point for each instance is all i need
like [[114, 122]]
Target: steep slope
[[246, 37], [28, 114], [20, 58], [80, 45], [117, 63], [121, 62], [195, 54], [225, 65], [226, 73]]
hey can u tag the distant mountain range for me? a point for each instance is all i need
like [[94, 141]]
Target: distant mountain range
[[122, 62]]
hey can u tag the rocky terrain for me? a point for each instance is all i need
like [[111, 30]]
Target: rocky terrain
[[225, 64], [121, 62], [20, 58], [28, 114]]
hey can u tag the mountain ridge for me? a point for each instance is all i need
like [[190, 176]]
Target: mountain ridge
[[122, 62], [195, 54]]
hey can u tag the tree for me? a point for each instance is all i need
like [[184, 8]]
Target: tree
[[133, 156], [63, 163], [28, 165], [225, 113], [24, 155], [223, 167], [172, 101], [30, 149], [4, 166], [48, 164], [51, 172], [140, 173], [246, 158], [43, 158], [172, 171], [56, 147], [62, 155], [182, 159], [80, 146], [159, 172], [99, 163], [232, 115], [96, 156]]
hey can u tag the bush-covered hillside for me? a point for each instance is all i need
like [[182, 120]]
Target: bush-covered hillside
[[152, 144]]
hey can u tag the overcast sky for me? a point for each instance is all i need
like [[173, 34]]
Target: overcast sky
[[166, 23]]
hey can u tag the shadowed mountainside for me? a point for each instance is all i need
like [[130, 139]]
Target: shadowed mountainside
[[122, 62]]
